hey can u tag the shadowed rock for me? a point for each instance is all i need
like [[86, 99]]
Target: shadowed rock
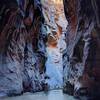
[[84, 25]]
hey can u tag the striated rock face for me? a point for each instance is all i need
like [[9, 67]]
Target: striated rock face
[[54, 26], [82, 57], [21, 52], [24, 26], [23, 37]]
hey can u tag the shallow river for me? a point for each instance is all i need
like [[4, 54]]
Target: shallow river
[[51, 95]]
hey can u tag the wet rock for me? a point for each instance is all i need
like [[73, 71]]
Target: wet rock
[[68, 88], [21, 65], [83, 25]]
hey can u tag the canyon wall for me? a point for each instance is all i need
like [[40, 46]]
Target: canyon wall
[[24, 25], [82, 57], [22, 47]]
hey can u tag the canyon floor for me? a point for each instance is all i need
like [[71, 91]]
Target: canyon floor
[[51, 95]]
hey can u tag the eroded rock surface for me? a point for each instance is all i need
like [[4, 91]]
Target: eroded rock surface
[[21, 56], [24, 26], [82, 57]]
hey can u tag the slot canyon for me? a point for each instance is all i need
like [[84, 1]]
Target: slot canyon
[[49, 49]]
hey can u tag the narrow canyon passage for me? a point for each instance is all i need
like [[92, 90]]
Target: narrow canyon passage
[[56, 24], [49, 49]]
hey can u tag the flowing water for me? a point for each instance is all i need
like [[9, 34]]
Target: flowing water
[[51, 95]]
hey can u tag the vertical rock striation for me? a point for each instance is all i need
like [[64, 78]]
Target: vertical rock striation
[[82, 57], [21, 56]]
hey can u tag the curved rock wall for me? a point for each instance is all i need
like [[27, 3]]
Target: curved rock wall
[[82, 57], [21, 56], [22, 46]]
